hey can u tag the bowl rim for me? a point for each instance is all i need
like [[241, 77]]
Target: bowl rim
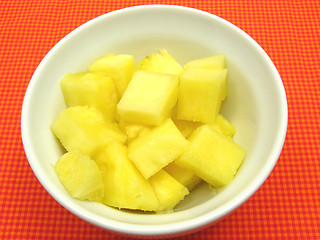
[[170, 228]]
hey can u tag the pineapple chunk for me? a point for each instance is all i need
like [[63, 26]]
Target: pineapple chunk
[[149, 98], [185, 127], [212, 156], [169, 191], [91, 89], [201, 93], [221, 124], [183, 176], [125, 187], [213, 62], [224, 126], [161, 62], [133, 130], [81, 176], [84, 129], [157, 148], [120, 67]]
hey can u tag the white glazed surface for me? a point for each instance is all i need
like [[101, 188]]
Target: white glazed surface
[[256, 105]]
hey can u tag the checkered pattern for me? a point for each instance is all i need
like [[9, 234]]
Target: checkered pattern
[[287, 206]]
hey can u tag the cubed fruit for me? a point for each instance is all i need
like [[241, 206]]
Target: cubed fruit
[[212, 156], [185, 127], [183, 176], [200, 95], [224, 126], [91, 89], [133, 130], [157, 148], [161, 62], [84, 129], [119, 66], [212, 62], [149, 98], [80, 176], [169, 191], [125, 187]]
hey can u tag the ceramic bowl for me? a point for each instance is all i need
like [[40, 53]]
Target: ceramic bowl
[[256, 105]]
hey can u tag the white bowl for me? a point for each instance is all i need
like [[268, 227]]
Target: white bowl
[[256, 105]]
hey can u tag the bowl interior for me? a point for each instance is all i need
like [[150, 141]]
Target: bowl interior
[[256, 105]]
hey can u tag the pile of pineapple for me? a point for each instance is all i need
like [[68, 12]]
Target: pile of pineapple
[[142, 137]]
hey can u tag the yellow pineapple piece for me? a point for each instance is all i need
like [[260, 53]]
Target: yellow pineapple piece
[[221, 124], [200, 95], [212, 156], [119, 66], [183, 176], [80, 176], [157, 148], [149, 98], [133, 130], [91, 89], [212, 62], [224, 126], [185, 127], [168, 191], [161, 62], [125, 187], [84, 129]]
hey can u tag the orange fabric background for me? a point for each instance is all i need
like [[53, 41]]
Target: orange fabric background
[[287, 206]]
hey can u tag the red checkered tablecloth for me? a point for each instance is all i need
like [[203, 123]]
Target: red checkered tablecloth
[[287, 206]]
